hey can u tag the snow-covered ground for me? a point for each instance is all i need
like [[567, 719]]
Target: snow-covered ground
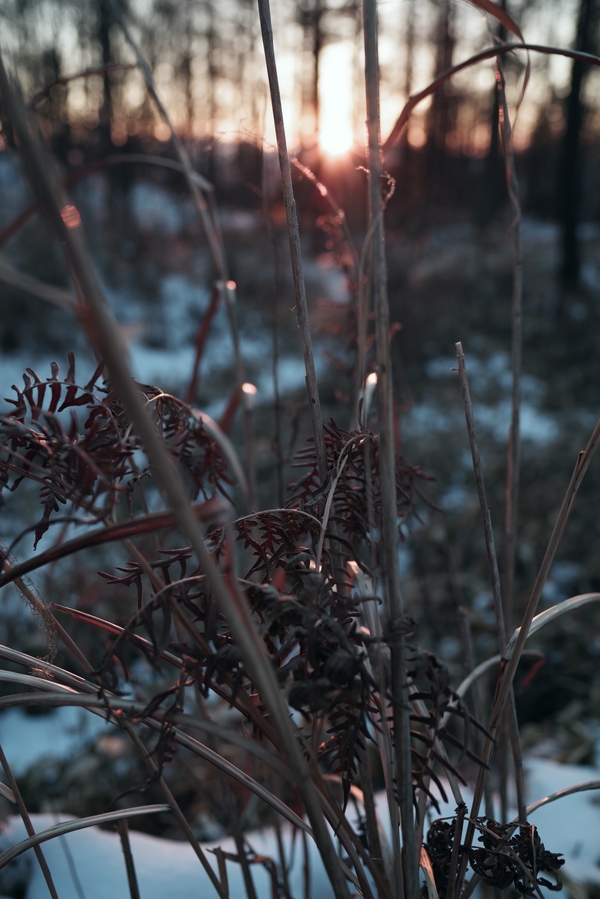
[[89, 864]]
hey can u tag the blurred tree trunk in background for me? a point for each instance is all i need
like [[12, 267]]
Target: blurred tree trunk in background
[[439, 124], [310, 17], [441, 113], [410, 48], [569, 185], [493, 189], [104, 23]]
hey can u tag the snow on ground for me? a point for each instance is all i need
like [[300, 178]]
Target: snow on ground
[[27, 739], [570, 825], [89, 864]]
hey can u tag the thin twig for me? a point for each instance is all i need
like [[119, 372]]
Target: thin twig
[[294, 237], [201, 337], [366, 782], [488, 53], [476, 696], [483, 504], [456, 847]]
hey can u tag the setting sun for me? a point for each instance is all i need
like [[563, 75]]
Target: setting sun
[[336, 135], [336, 138]]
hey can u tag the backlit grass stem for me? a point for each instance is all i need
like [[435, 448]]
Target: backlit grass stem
[[387, 459], [314, 401]]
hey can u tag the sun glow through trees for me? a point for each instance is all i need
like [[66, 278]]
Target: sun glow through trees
[[336, 96]]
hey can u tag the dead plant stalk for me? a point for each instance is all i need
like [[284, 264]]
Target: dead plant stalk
[[314, 401], [387, 458]]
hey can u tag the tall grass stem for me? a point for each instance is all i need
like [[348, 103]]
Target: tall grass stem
[[387, 459], [314, 401]]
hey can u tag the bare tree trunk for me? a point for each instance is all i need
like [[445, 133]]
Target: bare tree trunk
[[569, 185], [440, 114], [439, 119], [310, 16], [104, 24], [410, 49]]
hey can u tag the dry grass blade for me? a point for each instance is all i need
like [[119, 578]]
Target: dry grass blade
[[544, 618], [514, 440], [486, 520], [509, 666], [583, 462], [59, 830], [157, 777], [18, 799], [560, 794], [55, 699], [294, 237], [205, 212], [489, 53], [427, 868], [474, 675], [511, 719], [47, 292], [499, 13]]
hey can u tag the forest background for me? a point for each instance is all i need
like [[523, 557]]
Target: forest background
[[449, 224]]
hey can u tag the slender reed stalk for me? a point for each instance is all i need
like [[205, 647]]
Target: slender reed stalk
[[476, 697], [509, 665], [284, 866], [27, 822], [123, 831], [201, 338], [511, 737], [366, 782], [483, 503], [314, 401], [513, 465], [248, 401], [387, 460], [277, 448]]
